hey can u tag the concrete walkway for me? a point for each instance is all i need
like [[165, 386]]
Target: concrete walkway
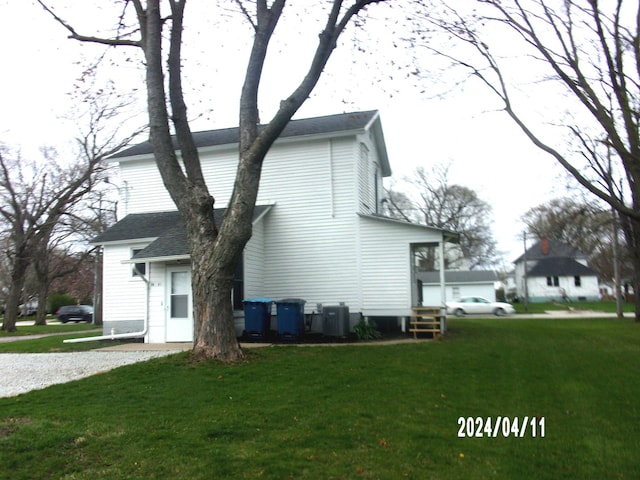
[[42, 335]]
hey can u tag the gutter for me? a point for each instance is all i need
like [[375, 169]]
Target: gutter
[[116, 336]]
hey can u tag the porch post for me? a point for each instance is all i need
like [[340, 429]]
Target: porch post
[[443, 289]]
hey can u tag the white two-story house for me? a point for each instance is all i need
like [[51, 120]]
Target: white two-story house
[[318, 233]]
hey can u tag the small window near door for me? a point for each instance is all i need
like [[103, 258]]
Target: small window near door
[[138, 269], [179, 294]]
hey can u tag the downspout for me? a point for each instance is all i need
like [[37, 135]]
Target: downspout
[[117, 336]]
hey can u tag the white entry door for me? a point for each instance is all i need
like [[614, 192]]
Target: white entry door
[[179, 306]]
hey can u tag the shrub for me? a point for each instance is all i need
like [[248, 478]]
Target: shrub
[[366, 330], [57, 300]]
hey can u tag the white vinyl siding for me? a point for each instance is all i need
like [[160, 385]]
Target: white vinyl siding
[[309, 245], [123, 294], [254, 263], [142, 189], [431, 293], [385, 274], [157, 298]]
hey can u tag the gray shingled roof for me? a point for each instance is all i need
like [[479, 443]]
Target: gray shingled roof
[[139, 226], [557, 267], [307, 126], [556, 249], [167, 228], [459, 276]]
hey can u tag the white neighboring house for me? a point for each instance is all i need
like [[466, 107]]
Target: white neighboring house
[[318, 232], [459, 283], [555, 272]]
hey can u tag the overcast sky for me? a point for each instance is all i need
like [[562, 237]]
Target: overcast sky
[[488, 153]]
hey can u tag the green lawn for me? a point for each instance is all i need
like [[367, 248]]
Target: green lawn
[[375, 412]]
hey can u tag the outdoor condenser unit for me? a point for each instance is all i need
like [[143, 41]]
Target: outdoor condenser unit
[[335, 321]]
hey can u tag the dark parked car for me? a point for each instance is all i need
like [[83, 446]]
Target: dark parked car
[[75, 313]]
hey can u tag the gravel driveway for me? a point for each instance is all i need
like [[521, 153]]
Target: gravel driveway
[[23, 372]]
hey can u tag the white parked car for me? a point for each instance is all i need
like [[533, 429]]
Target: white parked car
[[478, 305]]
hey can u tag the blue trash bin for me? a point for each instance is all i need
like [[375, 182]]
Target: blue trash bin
[[290, 317], [257, 316]]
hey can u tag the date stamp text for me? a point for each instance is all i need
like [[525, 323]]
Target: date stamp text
[[506, 427]]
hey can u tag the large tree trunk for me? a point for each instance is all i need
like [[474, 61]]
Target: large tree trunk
[[41, 266], [631, 229], [213, 266], [41, 312], [18, 275]]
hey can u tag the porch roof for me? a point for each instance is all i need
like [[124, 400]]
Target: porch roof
[[447, 235], [165, 230]]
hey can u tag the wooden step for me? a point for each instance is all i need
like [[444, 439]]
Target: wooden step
[[426, 320]]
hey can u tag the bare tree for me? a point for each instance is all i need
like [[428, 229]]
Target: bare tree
[[591, 51], [32, 209], [215, 249], [452, 207], [38, 195]]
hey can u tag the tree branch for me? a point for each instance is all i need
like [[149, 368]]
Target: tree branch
[[84, 38]]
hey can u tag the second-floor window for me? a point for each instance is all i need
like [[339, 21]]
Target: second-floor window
[[364, 181]]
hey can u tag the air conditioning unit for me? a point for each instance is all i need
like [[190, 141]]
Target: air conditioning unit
[[335, 321]]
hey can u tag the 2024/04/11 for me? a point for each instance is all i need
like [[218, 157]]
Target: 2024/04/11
[[479, 427]]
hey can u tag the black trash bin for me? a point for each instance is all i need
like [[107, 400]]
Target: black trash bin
[[290, 317], [257, 317]]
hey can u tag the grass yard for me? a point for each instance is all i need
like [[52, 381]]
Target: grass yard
[[370, 412]]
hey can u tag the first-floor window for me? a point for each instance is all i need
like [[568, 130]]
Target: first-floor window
[[553, 281], [577, 281], [138, 268]]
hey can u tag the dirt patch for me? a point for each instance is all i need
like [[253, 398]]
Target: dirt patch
[[10, 425]]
